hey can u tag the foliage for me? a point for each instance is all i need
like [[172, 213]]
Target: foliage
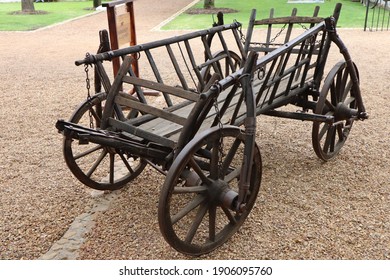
[[352, 13], [208, 4]]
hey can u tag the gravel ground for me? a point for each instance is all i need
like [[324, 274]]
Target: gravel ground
[[306, 209]]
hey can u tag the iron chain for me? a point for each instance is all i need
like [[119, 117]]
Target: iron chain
[[242, 36], [220, 141], [88, 86]]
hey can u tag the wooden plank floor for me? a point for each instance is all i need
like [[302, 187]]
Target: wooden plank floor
[[171, 130]]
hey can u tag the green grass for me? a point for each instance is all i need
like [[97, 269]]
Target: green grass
[[56, 12], [352, 13]]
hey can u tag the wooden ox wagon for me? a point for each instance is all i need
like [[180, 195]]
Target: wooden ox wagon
[[200, 131]]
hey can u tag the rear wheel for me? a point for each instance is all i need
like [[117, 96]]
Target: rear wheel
[[336, 99], [226, 65]]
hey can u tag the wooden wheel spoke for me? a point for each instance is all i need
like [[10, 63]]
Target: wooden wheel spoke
[[341, 82], [330, 106], [192, 189], [188, 208], [199, 171], [330, 138], [214, 164], [127, 164], [97, 163], [346, 91], [233, 174], [227, 68], [95, 115], [232, 219], [344, 88], [338, 88], [340, 132], [348, 101], [212, 222], [333, 92], [230, 156], [112, 167], [236, 65], [323, 131], [218, 69], [196, 222], [87, 152]]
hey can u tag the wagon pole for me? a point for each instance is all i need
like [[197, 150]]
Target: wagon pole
[[250, 131], [103, 47], [331, 29]]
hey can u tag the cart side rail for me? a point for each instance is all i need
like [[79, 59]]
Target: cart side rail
[[284, 72], [276, 31], [155, 44], [191, 62]]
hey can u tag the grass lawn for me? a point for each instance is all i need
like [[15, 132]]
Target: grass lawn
[[56, 12], [352, 13]]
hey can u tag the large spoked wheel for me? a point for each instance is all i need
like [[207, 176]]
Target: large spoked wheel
[[197, 205], [96, 166], [226, 65], [336, 99]]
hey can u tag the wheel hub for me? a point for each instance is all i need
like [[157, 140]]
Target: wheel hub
[[343, 112], [220, 192]]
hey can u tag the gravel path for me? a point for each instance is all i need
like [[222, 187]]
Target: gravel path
[[307, 209]]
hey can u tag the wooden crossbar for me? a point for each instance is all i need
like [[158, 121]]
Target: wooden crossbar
[[162, 87], [289, 20]]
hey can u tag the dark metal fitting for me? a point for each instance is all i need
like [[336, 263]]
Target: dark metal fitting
[[191, 178], [83, 139], [250, 125], [363, 116], [330, 24], [244, 76], [242, 207], [229, 199]]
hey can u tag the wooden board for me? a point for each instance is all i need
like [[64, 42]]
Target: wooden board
[[122, 25]]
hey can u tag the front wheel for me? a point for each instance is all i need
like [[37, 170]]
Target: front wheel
[[197, 205], [97, 166]]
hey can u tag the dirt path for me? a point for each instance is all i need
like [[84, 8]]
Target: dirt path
[[306, 209]]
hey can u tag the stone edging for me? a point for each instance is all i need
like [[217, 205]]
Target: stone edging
[[68, 246]]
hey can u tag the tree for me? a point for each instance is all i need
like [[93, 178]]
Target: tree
[[208, 4], [97, 3], [28, 6]]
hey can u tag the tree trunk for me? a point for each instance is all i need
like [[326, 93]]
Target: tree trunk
[[28, 6], [208, 4], [97, 3]]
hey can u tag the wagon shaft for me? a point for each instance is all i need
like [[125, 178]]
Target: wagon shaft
[[116, 141]]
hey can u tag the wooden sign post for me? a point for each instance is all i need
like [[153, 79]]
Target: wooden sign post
[[121, 25]]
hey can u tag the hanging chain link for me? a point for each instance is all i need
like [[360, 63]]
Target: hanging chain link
[[220, 141], [312, 40], [278, 34], [88, 86], [242, 36], [271, 42]]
